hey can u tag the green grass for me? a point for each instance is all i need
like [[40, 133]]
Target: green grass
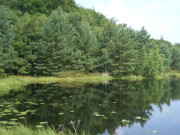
[[173, 73], [22, 130], [18, 82], [68, 79], [131, 78]]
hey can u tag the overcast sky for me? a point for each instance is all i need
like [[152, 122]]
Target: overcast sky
[[161, 18]]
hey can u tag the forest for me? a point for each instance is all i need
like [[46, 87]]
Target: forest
[[46, 37]]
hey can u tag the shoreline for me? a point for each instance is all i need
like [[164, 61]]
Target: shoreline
[[16, 82]]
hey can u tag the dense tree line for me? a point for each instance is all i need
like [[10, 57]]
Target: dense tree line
[[40, 37]]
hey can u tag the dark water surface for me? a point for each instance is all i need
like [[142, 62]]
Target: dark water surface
[[117, 107]]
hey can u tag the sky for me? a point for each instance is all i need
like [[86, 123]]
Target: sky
[[161, 18]]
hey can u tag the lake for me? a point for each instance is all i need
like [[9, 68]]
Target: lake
[[116, 107]]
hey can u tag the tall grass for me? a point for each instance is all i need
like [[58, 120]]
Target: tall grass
[[174, 73], [22, 130], [17, 82]]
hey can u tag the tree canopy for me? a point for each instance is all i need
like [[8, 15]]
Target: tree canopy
[[45, 37]]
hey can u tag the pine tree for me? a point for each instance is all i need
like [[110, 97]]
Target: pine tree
[[89, 47], [154, 64], [27, 31], [165, 53], [7, 53], [123, 57], [175, 64], [57, 39], [141, 61]]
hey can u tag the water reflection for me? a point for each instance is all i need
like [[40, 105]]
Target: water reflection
[[118, 100]]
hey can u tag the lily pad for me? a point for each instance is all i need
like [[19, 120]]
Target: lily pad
[[41, 123], [123, 120], [14, 119], [21, 117], [138, 118], [39, 126], [61, 113]]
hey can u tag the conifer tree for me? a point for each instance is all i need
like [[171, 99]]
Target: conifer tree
[[57, 39], [175, 64], [88, 45], [154, 64], [141, 61], [7, 53]]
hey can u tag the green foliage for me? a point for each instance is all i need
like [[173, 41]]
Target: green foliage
[[21, 130], [72, 38], [56, 46], [154, 64], [39, 6], [165, 50], [27, 31], [141, 61], [175, 64], [7, 53]]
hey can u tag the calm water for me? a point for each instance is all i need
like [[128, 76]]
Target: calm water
[[144, 107]]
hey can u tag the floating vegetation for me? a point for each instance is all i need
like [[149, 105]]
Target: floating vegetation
[[98, 115], [154, 131], [41, 123], [61, 113], [143, 118], [12, 123], [14, 119], [138, 118], [4, 122], [125, 121], [21, 117], [39, 126]]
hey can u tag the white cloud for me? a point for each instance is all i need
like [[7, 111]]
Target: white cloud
[[157, 23], [159, 28], [124, 14], [176, 19], [160, 17], [176, 2], [152, 5]]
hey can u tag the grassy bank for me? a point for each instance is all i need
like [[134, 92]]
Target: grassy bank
[[17, 82], [22, 130], [68, 79], [131, 78], [173, 73]]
